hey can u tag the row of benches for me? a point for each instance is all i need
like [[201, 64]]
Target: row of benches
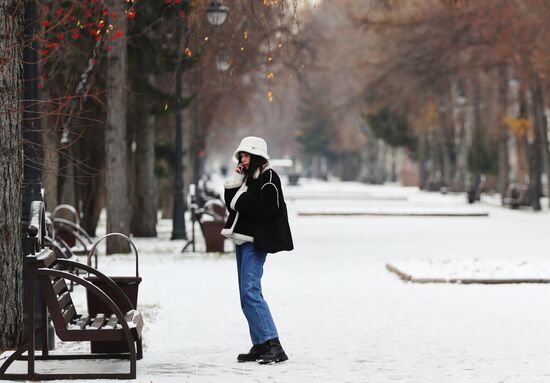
[[119, 325]]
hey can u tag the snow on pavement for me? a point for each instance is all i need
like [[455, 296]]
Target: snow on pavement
[[342, 317]]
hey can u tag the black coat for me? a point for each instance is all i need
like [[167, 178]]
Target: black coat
[[262, 213]]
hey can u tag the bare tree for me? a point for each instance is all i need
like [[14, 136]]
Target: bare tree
[[116, 160]]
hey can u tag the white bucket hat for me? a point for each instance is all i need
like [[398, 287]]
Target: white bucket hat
[[252, 145]]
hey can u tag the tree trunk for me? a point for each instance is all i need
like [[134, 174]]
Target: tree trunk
[[445, 140], [11, 174], [91, 177], [460, 121], [50, 158], [116, 183], [422, 160], [537, 146], [533, 152], [144, 219], [477, 137], [503, 158], [539, 117]]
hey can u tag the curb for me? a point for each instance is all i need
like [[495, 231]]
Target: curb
[[382, 214], [464, 281]]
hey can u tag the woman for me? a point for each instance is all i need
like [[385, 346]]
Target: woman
[[258, 224]]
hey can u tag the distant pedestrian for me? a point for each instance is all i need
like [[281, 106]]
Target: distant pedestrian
[[258, 224]]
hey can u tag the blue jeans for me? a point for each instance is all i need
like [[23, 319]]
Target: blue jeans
[[250, 268]]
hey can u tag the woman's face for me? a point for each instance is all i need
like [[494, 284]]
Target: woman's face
[[245, 159]]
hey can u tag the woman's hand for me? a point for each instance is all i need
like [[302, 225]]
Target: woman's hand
[[240, 169]]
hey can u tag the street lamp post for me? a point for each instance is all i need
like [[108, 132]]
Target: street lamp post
[[216, 14]]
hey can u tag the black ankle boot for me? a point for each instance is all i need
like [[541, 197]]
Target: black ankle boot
[[254, 353], [274, 352]]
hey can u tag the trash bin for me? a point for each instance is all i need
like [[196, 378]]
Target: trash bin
[[212, 222], [212, 237], [128, 284]]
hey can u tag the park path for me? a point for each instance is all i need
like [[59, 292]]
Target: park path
[[341, 315]]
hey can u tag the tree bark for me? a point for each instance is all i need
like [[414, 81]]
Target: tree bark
[[461, 169], [422, 160], [11, 174], [477, 137], [534, 154], [50, 161], [503, 157], [539, 116], [144, 212], [116, 161], [444, 141]]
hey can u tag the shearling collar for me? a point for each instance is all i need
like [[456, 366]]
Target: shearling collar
[[261, 170]]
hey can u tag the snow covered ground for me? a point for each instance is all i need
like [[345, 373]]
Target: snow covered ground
[[342, 317]]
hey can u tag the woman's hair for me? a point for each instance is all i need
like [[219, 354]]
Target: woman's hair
[[256, 162]]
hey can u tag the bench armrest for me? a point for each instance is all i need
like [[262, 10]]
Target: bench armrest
[[116, 288]]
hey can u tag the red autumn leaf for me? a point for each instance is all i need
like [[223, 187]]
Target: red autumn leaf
[[45, 23], [44, 52], [60, 36], [75, 36], [119, 34], [52, 45]]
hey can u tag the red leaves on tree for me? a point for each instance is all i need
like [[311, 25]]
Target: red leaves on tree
[[84, 19]]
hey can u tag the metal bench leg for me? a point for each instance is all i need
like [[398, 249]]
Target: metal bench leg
[[139, 349]]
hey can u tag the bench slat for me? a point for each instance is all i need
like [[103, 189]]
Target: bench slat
[[69, 313], [64, 300], [59, 286], [112, 322], [98, 322], [83, 321]]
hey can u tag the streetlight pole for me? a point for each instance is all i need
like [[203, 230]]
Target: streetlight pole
[[216, 14], [178, 215]]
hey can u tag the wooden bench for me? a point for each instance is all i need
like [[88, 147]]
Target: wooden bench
[[124, 325]]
